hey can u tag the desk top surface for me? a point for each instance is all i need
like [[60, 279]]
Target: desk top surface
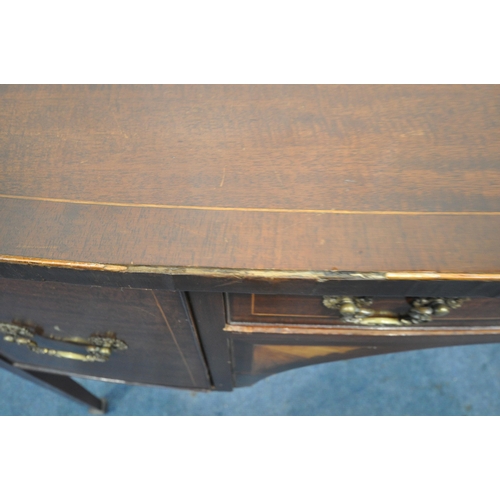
[[310, 178]]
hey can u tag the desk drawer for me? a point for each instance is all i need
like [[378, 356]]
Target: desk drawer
[[148, 335], [272, 333], [288, 311]]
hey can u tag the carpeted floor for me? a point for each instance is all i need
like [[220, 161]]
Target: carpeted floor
[[446, 381]]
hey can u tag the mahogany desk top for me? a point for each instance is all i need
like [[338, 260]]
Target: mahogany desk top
[[214, 235], [385, 179]]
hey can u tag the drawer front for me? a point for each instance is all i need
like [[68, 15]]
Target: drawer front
[[310, 311], [273, 333], [129, 335], [257, 356]]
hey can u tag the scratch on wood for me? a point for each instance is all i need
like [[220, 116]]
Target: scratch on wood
[[278, 176], [174, 338], [223, 177], [227, 283], [144, 310]]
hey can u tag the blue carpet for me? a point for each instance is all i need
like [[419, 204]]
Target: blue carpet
[[445, 381]]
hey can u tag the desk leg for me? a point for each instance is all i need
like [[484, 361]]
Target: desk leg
[[58, 383]]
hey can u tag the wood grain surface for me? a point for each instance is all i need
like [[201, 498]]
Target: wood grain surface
[[350, 178]]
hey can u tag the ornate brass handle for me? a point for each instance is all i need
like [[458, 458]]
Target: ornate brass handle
[[98, 346], [422, 310]]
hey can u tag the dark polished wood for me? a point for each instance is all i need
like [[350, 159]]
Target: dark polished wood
[[363, 242], [204, 224], [314, 178], [208, 309], [162, 347]]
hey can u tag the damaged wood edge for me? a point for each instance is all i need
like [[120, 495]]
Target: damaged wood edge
[[338, 331], [195, 271], [432, 275], [66, 264], [319, 276]]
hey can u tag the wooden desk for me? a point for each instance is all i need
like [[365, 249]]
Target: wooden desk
[[208, 236]]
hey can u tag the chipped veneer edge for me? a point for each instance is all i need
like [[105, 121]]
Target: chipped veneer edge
[[319, 276], [335, 330], [68, 264]]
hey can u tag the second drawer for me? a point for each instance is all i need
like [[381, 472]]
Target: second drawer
[[316, 312]]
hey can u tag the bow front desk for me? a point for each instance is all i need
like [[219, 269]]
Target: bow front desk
[[205, 237]]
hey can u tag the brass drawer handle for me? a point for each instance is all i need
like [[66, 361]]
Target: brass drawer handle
[[422, 310], [99, 346]]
